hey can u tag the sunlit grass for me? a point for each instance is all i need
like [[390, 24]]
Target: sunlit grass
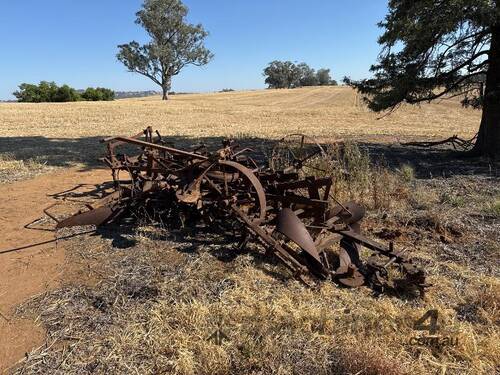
[[322, 112]]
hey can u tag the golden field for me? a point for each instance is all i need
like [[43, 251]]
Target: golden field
[[321, 111]]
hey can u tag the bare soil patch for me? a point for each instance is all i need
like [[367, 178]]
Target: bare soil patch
[[31, 262]]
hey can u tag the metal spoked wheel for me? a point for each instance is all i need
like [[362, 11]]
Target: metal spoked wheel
[[298, 153], [232, 184]]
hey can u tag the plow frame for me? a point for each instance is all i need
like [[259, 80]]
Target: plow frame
[[293, 216]]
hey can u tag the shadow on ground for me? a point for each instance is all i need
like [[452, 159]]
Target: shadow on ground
[[429, 163], [193, 241], [86, 151]]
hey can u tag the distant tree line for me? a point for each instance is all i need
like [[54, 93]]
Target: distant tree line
[[135, 94], [286, 74], [50, 92]]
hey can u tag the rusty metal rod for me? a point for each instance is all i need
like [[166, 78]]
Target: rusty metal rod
[[158, 147]]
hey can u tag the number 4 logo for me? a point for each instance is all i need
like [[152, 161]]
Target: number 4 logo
[[432, 327]]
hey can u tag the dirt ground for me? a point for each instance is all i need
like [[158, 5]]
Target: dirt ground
[[31, 262]]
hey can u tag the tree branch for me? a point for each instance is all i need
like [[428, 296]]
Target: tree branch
[[460, 66], [445, 52], [454, 86], [146, 74]]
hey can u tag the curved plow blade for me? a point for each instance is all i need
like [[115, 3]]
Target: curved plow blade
[[290, 226], [93, 217]]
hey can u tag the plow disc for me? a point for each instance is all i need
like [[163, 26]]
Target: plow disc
[[283, 205]]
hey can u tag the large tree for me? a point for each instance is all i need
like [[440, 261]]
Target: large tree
[[323, 77], [307, 75], [286, 74], [441, 48], [282, 74], [174, 43]]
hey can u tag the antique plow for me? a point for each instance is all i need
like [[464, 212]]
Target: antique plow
[[291, 213]]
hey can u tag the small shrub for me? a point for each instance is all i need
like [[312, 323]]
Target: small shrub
[[407, 173], [423, 199], [355, 178], [452, 199], [493, 208], [350, 168]]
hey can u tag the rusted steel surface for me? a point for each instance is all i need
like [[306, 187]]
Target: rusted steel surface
[[283, 206]]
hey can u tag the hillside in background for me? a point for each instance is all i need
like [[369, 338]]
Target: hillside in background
[[328, 112]]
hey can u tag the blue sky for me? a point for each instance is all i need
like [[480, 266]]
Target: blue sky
[[74, 41]]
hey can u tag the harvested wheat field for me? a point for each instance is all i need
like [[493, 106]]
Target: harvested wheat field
[[36, 137], [323, 111], [143, 298]]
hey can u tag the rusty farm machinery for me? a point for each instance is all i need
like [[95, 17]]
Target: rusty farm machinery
[[283, 206]]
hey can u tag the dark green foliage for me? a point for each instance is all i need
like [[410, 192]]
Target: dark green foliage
[[174, 43], [46, 92], [28, 93], [98, 94], [65, 94], [430, 48], [307, 75], [282, 74], [323, 77], [433, 49], [286, 74], [50, 92]]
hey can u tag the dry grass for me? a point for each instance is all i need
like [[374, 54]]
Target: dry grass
[[324, 112], [156, 296], [156, 307], [12, 169]]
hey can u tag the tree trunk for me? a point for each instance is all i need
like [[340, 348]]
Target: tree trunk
[[167, 84], [488, 140]]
